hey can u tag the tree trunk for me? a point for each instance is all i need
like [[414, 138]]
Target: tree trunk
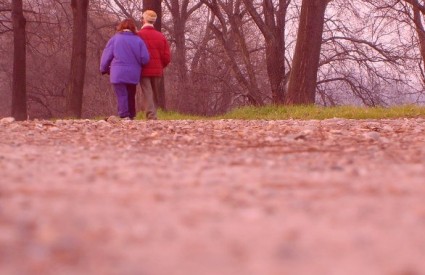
[[303, 76], [179, 16], [74, 96], [19, 93], [275, 59], [179, 56], [272, 26], [420, 31], [156, 6]]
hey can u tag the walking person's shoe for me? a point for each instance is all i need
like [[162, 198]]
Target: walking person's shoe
[[112, 119]]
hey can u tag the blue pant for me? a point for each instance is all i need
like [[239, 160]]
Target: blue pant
[[126, 97]]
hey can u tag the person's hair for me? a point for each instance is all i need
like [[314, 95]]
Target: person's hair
[[127, 24], [149, 16]]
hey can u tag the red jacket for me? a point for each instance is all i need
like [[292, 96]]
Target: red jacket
[[159, 51]]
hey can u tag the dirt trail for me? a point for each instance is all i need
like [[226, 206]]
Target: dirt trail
[[224, 197]]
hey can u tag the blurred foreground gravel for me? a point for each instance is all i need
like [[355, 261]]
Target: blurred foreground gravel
[[226, 197]]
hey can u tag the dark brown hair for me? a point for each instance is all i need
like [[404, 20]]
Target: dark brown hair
[[127, 24]]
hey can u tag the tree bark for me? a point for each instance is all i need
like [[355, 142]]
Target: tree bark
[[303, 76], [19, 93], [74, 96]]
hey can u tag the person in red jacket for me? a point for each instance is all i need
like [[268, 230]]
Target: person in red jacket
[[159, 51]]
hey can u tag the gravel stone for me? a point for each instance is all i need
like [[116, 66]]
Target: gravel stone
[[224, 197]]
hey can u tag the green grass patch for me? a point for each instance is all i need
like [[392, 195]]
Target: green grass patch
[[317, 112], [171, 115], [273, 112]]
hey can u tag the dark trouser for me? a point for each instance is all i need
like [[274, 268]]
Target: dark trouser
[[126, 97], [160, 93], [151, 96]]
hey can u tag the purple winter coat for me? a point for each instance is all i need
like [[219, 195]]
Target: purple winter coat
[[124, 55]]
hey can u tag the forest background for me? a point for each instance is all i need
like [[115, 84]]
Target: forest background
[[228, 53]]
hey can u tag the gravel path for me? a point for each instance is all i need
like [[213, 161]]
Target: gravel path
[[226, 197]]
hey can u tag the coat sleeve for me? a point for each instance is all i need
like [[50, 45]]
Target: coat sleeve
[[166, 55], [144, 53], [107, 56]]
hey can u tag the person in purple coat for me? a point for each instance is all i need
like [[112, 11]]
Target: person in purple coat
[[123, 58]]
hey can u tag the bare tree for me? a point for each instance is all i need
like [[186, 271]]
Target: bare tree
[[396, 68], [303, 76], [416, 14], [74, 92], [352, 60], [5, 13], [228, 53], [180, 15], [234, 43], [272, 25], [19, 94]]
